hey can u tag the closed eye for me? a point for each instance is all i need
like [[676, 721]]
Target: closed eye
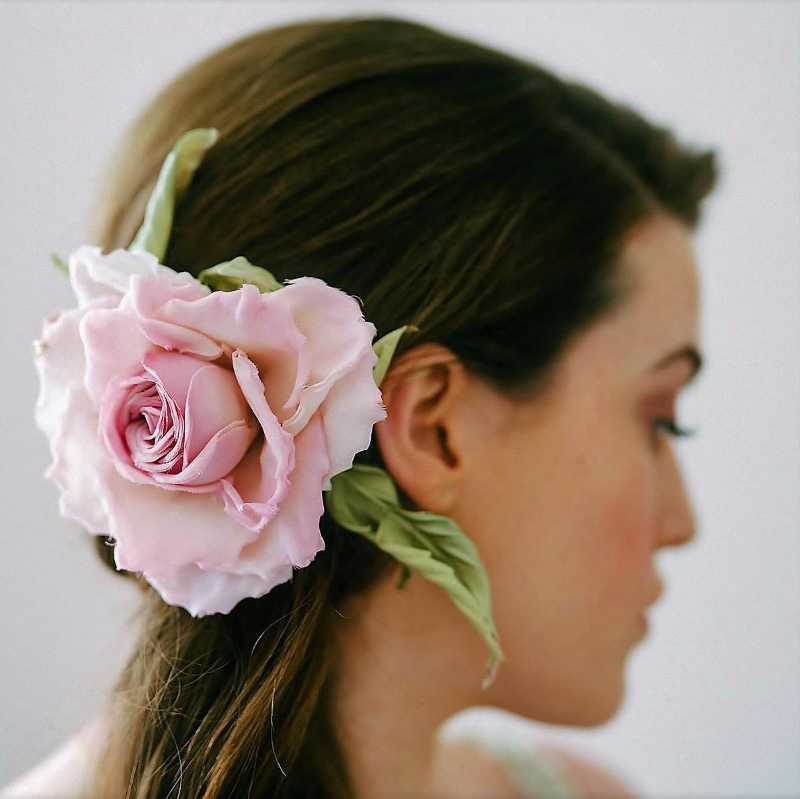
[[671, 427]]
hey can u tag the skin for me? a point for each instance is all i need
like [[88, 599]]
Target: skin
[[567, 496]]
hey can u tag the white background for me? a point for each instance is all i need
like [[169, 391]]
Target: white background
[[714, 705]]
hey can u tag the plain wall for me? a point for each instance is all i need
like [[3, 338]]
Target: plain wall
[[714, 705]]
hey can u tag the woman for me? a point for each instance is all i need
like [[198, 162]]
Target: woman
[[528, 244]]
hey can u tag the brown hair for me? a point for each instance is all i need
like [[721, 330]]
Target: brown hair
[[449, 186]]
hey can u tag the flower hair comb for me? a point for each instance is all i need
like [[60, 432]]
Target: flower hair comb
[[197, 422]]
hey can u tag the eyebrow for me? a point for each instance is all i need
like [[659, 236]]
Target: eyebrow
[[688, 353]]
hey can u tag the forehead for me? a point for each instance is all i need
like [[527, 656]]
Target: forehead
[[659, 314]]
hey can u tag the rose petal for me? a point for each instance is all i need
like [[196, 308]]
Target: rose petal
[[174, 372], [115, 349], [94, 275], [205, 592], [296, 525], [114, 430], [213, 402], [261, 481], [251, 322], [337, 338], [64, 413], [149, 301], [351, 409], [343, 389], [160, 531], [178, 339], [216, 460]]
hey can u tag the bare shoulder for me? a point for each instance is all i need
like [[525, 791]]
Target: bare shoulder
[[464, 770], [468, 768], [586, 777], [491, 752], [66, 772]]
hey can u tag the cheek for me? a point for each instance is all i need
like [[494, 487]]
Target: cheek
[[620, 550], [601, 526], [568, 543], [628, 529], [565, 530]]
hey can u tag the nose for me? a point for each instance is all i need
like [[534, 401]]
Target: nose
[[677, 523]]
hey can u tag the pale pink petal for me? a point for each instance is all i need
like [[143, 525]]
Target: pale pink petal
[[250, 321], [337, 338], [61, 364], [174, 371], [296, 525], [147, 294], [260, 482], [203, 593], [64, 413], [94, 275], [149, 301], [111, 430], [350, 411], [115, 348], [158, 531], [175, 338], [214, 401], [216, 460]]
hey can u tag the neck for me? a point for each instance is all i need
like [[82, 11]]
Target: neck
[[409, 661]]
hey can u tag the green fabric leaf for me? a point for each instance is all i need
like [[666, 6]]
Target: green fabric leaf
[[60, 264], [232, 275], [175, 176], [384, 348], [364, 500]]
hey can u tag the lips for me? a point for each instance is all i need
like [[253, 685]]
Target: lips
[[656, 593]]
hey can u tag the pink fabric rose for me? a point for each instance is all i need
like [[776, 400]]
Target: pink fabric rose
[[198, 429]]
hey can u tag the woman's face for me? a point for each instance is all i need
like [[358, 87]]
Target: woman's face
[[574, 492]]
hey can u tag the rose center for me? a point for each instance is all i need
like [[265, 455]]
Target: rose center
[[155, 429]]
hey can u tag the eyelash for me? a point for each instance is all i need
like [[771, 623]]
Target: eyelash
[[671, 427]]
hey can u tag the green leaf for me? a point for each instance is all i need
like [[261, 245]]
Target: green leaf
[[364, 499], [175, 176], [384, 348], [60, 264], [232, 275]]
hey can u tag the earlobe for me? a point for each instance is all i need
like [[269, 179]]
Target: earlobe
[[417, 440]]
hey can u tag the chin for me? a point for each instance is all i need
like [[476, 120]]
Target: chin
[[583, 712], [599, 704], [594, 714], [590, 704]]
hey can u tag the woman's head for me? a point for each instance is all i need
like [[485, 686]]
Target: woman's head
[[496, 209], [569, 495]]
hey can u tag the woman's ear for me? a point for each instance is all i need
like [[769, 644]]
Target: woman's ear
[[421, 440]]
